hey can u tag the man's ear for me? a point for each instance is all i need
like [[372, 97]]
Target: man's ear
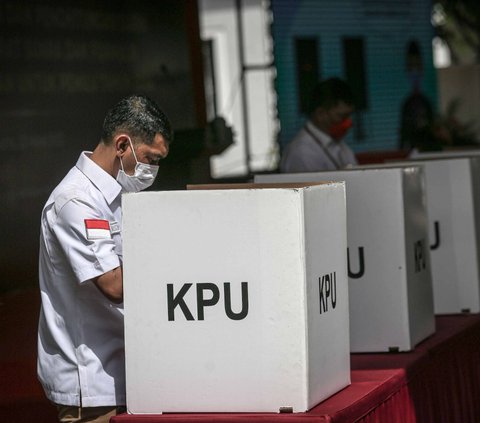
[[121, 143], [318, 115]]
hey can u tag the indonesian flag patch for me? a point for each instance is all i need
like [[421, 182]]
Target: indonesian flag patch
[[97, 229]]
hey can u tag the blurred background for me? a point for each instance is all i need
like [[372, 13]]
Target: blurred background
[[234, 77]]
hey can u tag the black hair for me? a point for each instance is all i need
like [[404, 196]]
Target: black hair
[[138, 116], [329, 92]]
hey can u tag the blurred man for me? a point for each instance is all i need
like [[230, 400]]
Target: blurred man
[[318, 145], [81, 361]]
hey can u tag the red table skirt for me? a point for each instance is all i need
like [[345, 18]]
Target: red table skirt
[[437, 382]]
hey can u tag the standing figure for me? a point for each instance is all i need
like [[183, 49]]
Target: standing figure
[[81, 360], [319, 144]]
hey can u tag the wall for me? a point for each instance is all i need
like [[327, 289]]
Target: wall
[[386, 27], [219, 23], [63, 64]]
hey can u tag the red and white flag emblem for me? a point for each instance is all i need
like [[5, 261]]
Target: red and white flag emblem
[[97, 229]]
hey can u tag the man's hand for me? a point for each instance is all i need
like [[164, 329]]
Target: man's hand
[[111, 284]]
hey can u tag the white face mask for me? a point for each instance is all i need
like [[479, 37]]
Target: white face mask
[[142, 178]]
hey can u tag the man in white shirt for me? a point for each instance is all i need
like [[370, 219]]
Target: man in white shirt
[[80, 336], [318, 145]]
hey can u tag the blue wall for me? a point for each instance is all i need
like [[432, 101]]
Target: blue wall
[[386, 27]]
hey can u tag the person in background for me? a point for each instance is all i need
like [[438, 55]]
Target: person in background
[[319, 144], [81, 362]]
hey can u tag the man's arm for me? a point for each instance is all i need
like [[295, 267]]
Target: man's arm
[[111, 284], [89, 257]]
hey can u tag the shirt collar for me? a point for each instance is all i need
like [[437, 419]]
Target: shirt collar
[[321, 136], [105, 183]]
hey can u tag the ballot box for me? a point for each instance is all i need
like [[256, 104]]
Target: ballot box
[[236, 300], [390, 286], [453, 193], [445, 154]]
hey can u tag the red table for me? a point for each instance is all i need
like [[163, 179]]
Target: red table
[[437, 382]]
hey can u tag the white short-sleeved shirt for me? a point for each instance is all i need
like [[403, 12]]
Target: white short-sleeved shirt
[[80, 337], [313, 151]]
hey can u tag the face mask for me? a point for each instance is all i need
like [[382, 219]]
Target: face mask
[[339, 130], [142, 178]]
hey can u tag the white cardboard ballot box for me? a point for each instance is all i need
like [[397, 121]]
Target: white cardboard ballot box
[[446, 154], [453, 193], [390, 286], [235, 300]]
